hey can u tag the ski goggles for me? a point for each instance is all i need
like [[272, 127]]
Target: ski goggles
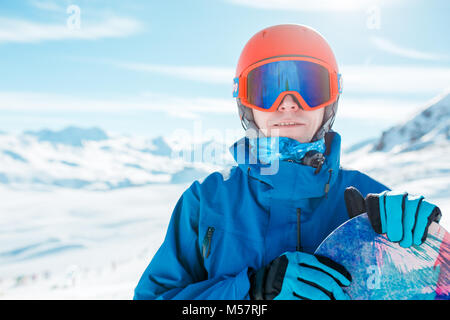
[[263, 85]]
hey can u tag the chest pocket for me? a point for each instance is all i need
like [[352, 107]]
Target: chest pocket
[[226, 248]]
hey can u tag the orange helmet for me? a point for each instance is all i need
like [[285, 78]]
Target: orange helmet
[[287, 40]]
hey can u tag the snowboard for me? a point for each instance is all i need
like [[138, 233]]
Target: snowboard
[[382, 270]]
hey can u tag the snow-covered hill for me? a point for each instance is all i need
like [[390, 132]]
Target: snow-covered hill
[[61, 238], [412, 156], [430, 126], [91, 159]]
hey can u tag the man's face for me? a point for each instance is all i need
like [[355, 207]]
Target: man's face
[[306, 122]]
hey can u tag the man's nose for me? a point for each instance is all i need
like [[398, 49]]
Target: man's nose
[[288, 104]]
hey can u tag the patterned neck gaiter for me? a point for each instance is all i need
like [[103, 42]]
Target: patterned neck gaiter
[[267, 149]]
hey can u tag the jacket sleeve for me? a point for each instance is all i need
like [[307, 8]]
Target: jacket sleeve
[[177, 271]]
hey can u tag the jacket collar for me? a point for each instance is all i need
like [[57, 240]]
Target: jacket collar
[[290, 180]]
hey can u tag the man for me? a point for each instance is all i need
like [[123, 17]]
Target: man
[[250, 233]]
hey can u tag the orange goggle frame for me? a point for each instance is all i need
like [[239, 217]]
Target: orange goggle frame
[[330, 81]]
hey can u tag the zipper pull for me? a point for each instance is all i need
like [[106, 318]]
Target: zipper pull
[[319, 165], [299, 247], [206, 245], [327, 185], [314, 159]]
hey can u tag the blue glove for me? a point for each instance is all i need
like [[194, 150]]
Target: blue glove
[[403, 218], [300, 276]]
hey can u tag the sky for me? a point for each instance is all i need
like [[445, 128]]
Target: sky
[[153, 68]]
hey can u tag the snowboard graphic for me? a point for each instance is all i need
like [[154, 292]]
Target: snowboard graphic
[[383, 270]]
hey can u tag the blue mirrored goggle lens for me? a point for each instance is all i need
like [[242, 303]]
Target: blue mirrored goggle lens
[[309, 79]]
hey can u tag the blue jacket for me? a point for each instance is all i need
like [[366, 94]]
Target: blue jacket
[[240, 219]]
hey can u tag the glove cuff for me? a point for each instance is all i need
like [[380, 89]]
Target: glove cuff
[[373, 212], [266, 283], [257, 284]]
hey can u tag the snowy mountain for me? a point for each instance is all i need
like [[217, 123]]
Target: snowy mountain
[[72, 136], [413, 155], [430, 126], [91, 159]]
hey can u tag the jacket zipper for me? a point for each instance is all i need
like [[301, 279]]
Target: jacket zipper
[[327, 185], [299, 247], [206, 245]]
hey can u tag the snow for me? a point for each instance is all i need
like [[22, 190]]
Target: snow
[[82, 212], [78, 244]]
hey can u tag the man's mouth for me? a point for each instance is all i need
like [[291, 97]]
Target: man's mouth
[[287, 124]]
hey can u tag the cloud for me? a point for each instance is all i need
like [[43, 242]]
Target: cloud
[[187, 108], [394, 79], [317, 5], [377, 109], [175, 106], [357, 78], [195, 73], [380, 81], [390, 47], [25, 31], [47, 5]]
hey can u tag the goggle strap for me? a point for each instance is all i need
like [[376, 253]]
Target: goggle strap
[[339, 83], [235, 87]]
